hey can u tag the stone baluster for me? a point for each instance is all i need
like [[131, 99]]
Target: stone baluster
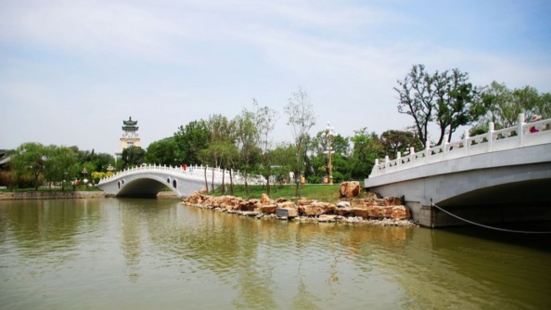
[[398, 158], [490, 137], [386, 161], [466, 141], [427, 150], [520, 128]]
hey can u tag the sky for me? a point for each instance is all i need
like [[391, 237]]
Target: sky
[[71, 71]]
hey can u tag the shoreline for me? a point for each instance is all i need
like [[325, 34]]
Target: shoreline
[[304, 211], [6, 196]]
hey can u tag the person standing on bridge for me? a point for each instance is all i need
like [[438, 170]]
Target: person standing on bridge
[[534, 118]]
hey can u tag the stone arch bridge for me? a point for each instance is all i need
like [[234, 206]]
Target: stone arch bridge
[[149, 180], [497, 177]]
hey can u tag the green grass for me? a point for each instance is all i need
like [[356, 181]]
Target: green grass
[[329, 193]]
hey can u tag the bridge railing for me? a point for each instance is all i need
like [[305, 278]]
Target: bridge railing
[[522, 134], [192, 171]]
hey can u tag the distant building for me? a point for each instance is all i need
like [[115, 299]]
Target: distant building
[[130, 135]]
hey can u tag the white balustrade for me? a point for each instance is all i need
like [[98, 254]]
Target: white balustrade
[[523, 134], [193, 171]]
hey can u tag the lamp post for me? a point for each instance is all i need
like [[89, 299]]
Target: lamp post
[[328, 134]]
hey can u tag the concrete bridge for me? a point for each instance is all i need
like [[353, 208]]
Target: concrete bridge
[[148, 180], [498, 177]]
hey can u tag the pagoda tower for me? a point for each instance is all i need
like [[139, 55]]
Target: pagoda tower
[[130, 134]]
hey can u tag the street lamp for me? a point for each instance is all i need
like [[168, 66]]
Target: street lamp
[[328, 134]]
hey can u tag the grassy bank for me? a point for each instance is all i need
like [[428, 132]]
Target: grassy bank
[[328, 193]]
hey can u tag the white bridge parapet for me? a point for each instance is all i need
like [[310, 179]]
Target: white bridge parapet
[[522, 135], [148, 179]]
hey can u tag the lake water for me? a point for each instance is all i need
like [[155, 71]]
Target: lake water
[[153, 254]]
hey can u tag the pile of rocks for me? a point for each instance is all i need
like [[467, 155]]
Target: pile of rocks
[[387, 211]]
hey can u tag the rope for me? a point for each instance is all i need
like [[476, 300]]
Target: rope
[[490, 227]]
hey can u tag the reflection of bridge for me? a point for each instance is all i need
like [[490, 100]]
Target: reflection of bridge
[[148, 180], [501, 176]]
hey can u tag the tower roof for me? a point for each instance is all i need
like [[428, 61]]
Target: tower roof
[[130, 125]]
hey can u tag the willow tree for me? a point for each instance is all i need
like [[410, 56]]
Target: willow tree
[[301, 119]]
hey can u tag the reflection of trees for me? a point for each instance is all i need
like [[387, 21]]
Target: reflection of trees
[[43, 226], [132, 213]]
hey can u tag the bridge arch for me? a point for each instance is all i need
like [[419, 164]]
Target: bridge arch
[[146, 186]]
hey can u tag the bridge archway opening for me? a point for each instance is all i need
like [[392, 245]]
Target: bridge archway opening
[[174, 184], [144, 188], [526, 201]]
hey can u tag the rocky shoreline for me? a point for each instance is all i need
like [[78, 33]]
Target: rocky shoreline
[[388, 211]]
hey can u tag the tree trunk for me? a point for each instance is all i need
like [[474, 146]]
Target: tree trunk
[[450, 134], [442, 134], [231, 182], [223, 186], [206, 182], [212, 180]]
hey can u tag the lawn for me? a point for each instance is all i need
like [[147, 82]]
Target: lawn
[[321, 192]]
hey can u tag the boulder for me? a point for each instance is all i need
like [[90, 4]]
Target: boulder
[[400, 213], [311, 210], [286, 204], [359, 203], [247, 205], [387, 211], [286, 212], [343, 204], [344, 211], [264, 199], [326, 218], [349, 189], [364, 213], [268, 209], [392, 201]]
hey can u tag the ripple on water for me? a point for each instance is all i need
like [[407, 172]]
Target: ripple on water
[[144, 254]]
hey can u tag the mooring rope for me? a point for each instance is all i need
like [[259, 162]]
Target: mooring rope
[[490, 227]]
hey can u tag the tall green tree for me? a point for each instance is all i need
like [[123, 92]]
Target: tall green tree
[[61, 164], [132, 156], [394, 141], [502, 105], [417, 97], [367, 148], [29, 160], [163, 152], [301, 119], [247, 136], [191, 139], [265, 118], [455, 102]]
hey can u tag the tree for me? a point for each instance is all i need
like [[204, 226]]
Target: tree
[[190, 140], [283, 160], [454, 102], [265, 123], [501, 105], [394, 141], [301, 119], [133, 156], [318, 159], [447, 98], [61, 165], [29, 159], [163, 152], [246, 134], [417, 95], [367, 148]]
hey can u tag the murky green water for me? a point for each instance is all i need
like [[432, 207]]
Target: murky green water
[[147, 254]]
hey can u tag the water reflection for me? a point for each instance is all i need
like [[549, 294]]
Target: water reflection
[[147, 252]]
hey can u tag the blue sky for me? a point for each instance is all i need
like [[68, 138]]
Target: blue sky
[[70, 71]]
